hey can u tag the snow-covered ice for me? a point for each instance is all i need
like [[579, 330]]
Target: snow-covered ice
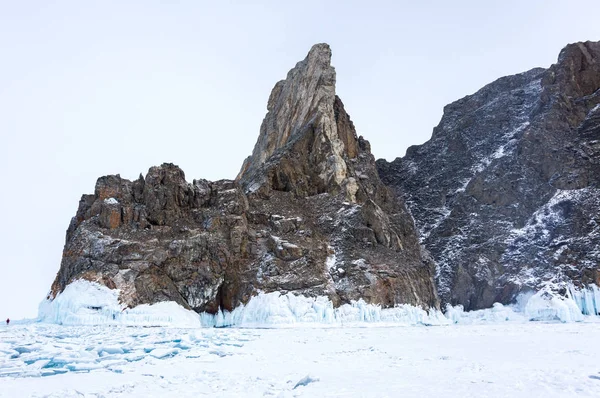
[[532, 359]]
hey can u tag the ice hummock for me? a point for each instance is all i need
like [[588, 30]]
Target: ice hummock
[[548, 306], [545, 305], [587, 299], [276, 309], [89, 303], [498, 313]]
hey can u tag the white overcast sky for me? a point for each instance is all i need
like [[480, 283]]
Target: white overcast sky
[[89, 88]]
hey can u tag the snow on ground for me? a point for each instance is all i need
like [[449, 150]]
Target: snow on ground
[[532, 359]]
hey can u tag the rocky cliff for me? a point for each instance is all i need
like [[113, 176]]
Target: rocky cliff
[[506, 193], [307, 214]]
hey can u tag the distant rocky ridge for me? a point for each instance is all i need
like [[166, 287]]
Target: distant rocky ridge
[[506, 193], [307, 214]]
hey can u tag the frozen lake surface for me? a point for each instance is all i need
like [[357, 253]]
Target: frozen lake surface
[[494, 360]]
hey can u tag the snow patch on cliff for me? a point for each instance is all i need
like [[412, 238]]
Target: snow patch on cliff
[[547, 228], [542, 221], [330, 261]]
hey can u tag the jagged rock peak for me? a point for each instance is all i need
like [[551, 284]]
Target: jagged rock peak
[[577, 72], [309, 216], [303, 116]]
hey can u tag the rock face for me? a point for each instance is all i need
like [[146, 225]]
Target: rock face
[[307, 214], [506, 192], [301, 149]]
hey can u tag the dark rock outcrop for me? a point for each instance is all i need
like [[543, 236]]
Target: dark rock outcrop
[[506, 192], [307, 214]]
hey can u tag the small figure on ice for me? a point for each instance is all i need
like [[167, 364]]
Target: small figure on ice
[[7, 321]]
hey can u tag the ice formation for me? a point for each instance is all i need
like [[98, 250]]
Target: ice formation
[[544, 305], [587, 299], [276, 309], [89, 303], [547, 306], [498, 313]]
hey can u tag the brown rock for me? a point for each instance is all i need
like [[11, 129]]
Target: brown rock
[[308, 214]]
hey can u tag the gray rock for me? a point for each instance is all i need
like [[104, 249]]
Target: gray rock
[[506, 192]]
